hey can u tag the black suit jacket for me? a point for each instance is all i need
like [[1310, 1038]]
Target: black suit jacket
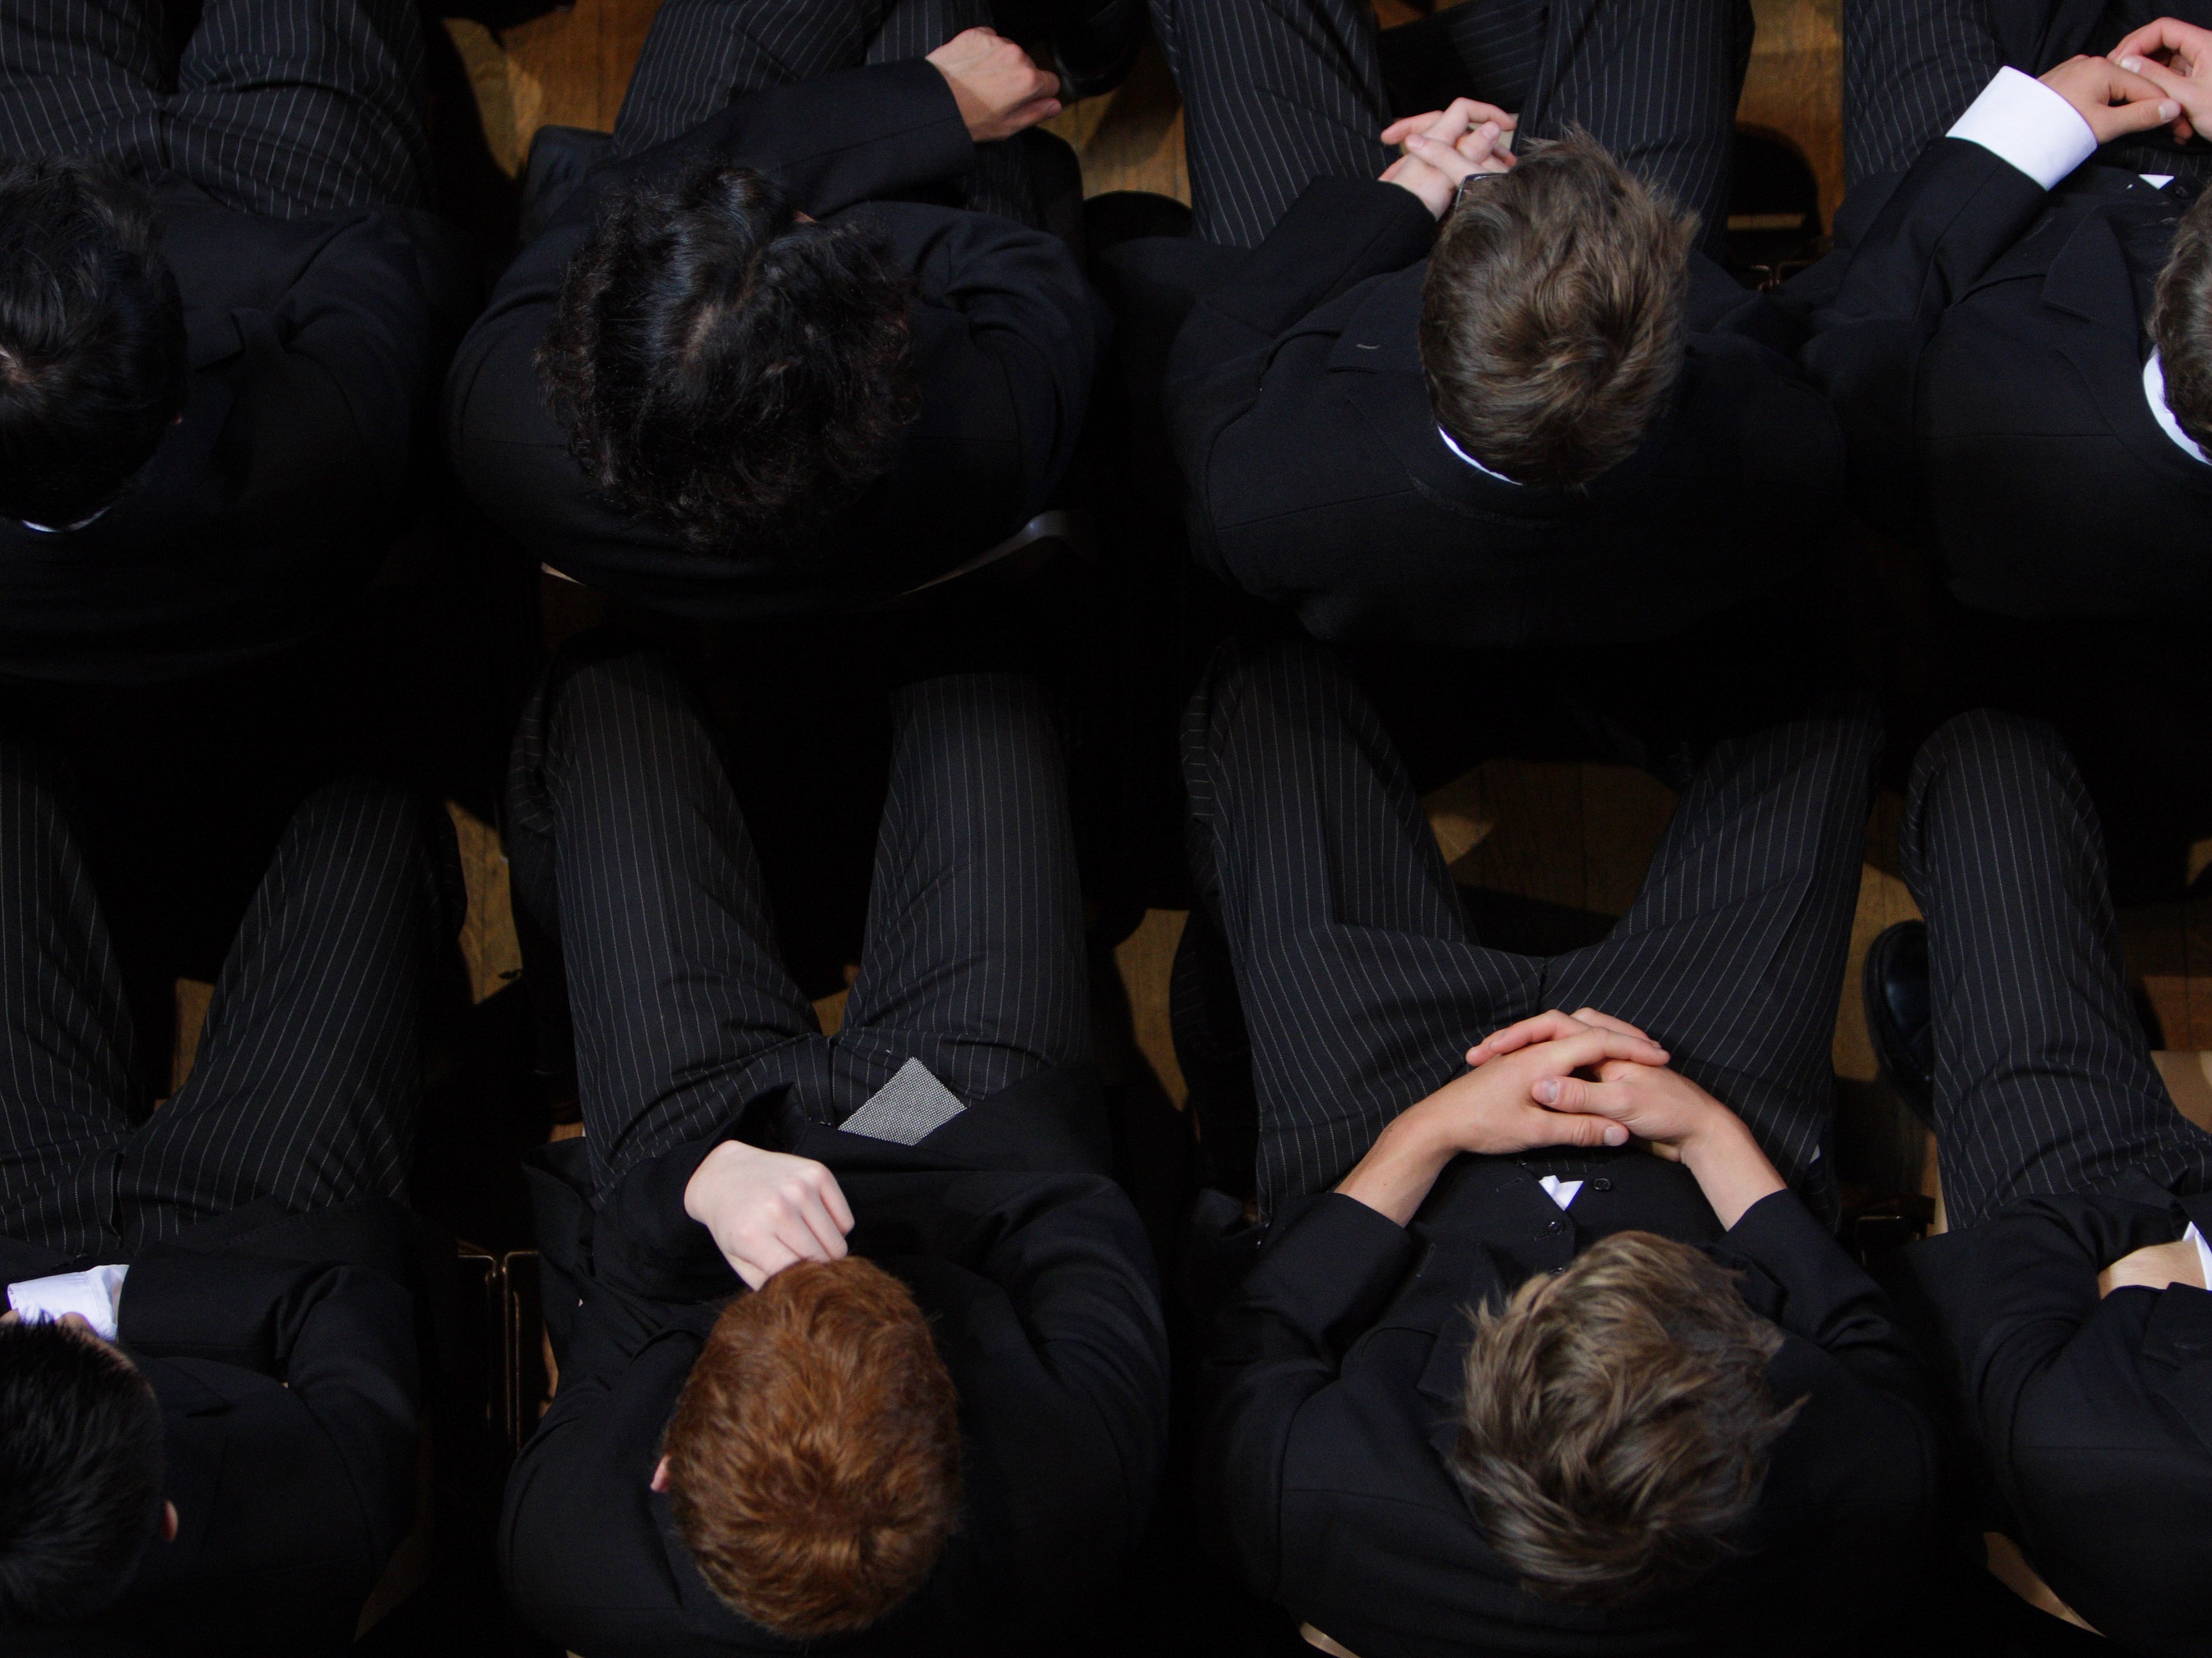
[[2094, 1417], [317, 346], [1985, 344], [283, 1348], [1334, 1375], [1043, 1301], [1006, 332], [1298, 410]]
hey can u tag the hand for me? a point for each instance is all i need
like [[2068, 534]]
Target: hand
[[2155, 1266], [1491, 1111], [1435, 161], [2114, 102], [1000, 91], [2176, 57], [768, 1211], [1468, 117], [1680, 1122], [1550, 1026]]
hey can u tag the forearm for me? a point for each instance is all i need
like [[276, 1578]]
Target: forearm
[[1395, 1176]]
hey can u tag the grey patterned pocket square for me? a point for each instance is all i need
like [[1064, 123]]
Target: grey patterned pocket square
[[910, 1106]]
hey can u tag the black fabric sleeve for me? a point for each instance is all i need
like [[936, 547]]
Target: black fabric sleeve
[[341, 1339], [1328, 1270]]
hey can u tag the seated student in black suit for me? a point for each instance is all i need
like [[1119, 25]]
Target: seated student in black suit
[[1503, 397], [801, 343], [2068, 1298], [933, 1415], [1681, 1419], [219, 339], [221, 1453]]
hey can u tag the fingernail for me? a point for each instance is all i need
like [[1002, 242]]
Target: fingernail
[[1616, 1135], [2131, 64], [2168, 110], [1548, 1091]]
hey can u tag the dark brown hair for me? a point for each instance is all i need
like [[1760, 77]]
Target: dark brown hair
[[1552, 326], [814, 1455], [2181, 322], [1617, 1422], [727, 370]]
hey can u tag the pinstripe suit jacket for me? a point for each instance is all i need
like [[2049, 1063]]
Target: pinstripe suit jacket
[[1298, 411], [1332, 1384], [1006, 333], [1985, 344], [1044, 1303], [316, 346], [289, 1389], [2094, 1417]]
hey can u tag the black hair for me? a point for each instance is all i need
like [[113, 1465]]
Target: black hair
[[731, 371], [92, 338], [80, 1470]]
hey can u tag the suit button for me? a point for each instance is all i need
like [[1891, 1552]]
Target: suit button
[[1556, 1226], [1600, 1184]]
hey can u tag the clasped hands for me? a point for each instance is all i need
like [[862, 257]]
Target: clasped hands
[[2158, 75], [1584, 1078], [1443, 148]]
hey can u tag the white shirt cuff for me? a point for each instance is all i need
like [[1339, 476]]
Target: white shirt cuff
[[2203, 1252], [2019, 119], [95, 1295]]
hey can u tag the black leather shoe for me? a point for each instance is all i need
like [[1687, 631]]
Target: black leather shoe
[[1900, 1016], [1094, 44]]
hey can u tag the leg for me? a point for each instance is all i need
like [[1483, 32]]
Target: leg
[[1733, 953], [65, 1028], [2044, 1081], [82, 78], [1276, 93], [304, 107], [1657, 84], [631, 854], [309, 1076], [1361, 986], [974, 962], [1911, 67]]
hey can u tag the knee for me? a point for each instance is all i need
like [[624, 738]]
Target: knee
[[1264, 681], [602, 697], [385, 834], [1987, 742]]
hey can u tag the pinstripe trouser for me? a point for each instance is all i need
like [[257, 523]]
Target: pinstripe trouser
[[1279, 93], [290, 108], [2044, 1081], [1363, 986], [629, 852], [701, 53], [1911, 67], [308, 1074]]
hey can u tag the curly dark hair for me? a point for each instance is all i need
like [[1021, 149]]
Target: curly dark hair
[[93, 365], [727, 368]]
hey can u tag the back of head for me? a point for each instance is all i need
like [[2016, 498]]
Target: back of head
[[728, 370], [1617, 1424], [814, 1455], [92, 338], [1553, 318], [2181, 322], [81, 1469]]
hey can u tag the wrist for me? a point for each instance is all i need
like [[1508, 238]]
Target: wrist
[[701, 1191]]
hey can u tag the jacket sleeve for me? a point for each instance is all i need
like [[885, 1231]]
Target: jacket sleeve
[[1797, 1275], [342, 1338], [1325, 1276], [1912, 251]]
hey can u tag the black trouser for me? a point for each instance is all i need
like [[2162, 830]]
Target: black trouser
[[701, 53], [307, 1078], [1911, 67], [1363, 986], [2043, 1080], [288, 107], [630, 853], [1279, 93]]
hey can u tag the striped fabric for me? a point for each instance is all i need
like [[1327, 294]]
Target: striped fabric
[[2044, 1081], [631, 855], [1363, 986], [1278, 93], [286, 107], [308, 1076], [701, 53]]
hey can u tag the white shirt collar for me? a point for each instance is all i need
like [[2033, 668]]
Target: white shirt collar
[[2155, 394], [1473, 462], [60, 529]]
